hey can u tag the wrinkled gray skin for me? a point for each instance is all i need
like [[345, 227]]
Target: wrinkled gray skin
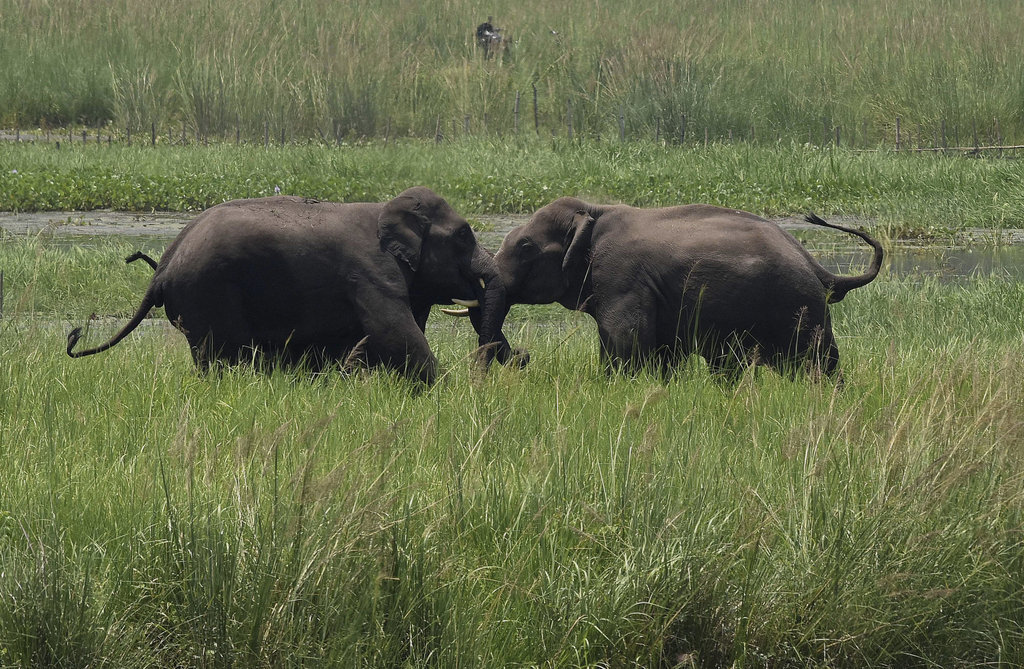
[[283, 279], [665, 283]]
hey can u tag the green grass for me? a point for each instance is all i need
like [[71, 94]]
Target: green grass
[[779, 68], [910, 194], [550, 516]]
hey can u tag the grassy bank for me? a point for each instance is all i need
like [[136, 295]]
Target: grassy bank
[[360, 68], [546, 516], [913, 194]]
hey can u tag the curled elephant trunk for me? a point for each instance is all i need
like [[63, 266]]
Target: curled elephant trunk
[[488, 314]]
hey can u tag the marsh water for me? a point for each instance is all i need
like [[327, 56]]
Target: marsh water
[[985, 253]]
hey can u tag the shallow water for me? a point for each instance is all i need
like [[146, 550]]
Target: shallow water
[[838, 252]]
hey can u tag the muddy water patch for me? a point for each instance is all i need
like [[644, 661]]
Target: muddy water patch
[[95, 223]]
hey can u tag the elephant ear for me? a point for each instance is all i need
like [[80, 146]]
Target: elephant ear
[[580, 234], [401, 228]]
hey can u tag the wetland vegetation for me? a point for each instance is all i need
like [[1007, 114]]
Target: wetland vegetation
[[550, 516], [366, 68], [906, 195]]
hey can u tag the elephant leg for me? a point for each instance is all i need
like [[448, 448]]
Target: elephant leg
[[627, 338], [404, 350], [397, 343], [666, 359], [813, 351], [203, 353], [823, 356], [728, 356], [201, 359], [393, 336], [420, 314]]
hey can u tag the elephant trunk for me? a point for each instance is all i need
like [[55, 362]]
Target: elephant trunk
[[489, 317]]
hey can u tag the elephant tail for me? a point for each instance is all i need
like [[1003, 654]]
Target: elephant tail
[[839, 286], [139, 255], [148, 302]]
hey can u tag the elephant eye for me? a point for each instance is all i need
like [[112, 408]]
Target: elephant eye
[[465, 234]]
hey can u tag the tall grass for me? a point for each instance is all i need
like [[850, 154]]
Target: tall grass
[[150, 517], [914, 195], [774, 68]]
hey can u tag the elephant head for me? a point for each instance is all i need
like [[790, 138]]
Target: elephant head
[[439, 248], [548, 259]]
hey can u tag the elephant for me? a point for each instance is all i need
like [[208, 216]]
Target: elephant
[[285, 280], [668, 282]]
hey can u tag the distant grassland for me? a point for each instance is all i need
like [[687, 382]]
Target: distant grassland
[[785, 68], [910, 195], [545, 517]]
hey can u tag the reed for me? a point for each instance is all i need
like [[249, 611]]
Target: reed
[[552, 515], [320, 69]]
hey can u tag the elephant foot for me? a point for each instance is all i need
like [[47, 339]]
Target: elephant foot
[[503, 353], [517, 357]]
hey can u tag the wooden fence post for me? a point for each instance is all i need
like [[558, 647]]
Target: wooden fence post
[[152, 133], [515, 115], [536, 116], [568, 115], [897, 133]]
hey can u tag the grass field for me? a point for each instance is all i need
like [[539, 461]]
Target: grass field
[[905, 195], [549, 516], [768, 67]]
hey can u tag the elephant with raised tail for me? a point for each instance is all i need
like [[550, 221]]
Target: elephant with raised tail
[[664, 283], [286, 279]]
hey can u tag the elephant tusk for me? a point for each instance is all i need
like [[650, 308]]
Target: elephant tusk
[[466, 303], [460, 313], [482, 284]]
